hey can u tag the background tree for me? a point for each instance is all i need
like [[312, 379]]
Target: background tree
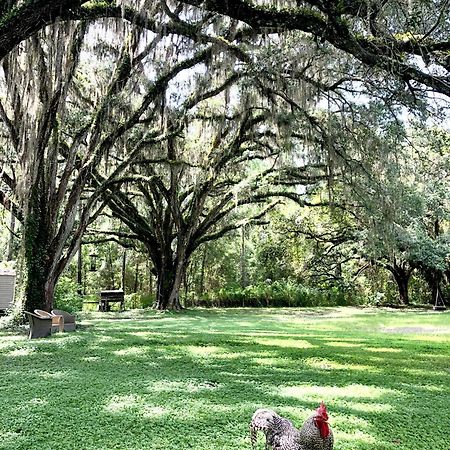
[[186, 197]]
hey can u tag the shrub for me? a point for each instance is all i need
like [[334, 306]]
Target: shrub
[[278, 294], [139, 301], [67, 297]]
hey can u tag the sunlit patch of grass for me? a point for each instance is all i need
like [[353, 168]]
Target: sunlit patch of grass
[[364, 440], [329, 364], [57, 375], [286, 343], [205, 351], [90, 358], [428, 338], [273, 362], [38, 401], [382, 350], [369, 407], [131, 351], [180, 386], [121, 403], [425, 372], [342, 344], [154, 411], [150, 334], [315, 392], [25, 351]]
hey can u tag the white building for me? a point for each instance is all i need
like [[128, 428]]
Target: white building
[[7, 287]]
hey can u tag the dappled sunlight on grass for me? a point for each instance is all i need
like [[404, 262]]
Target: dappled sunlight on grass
[[309, 392], [10, 341], [425, 372], [191, 380], [274, 362], [286, 343], [431, 388], [357, 437], [204, 352], [128, 351], [342, 344], [121, 403], [432, 356], [25, 351], [328, 364], [57, 375], [154, 411], [37, 402], [382, 350], [90, 358], [429, 338], [108, 339], [180, 386], [369, 407], [150, 334]]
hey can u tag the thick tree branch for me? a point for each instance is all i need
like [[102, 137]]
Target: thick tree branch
[[329, 25]]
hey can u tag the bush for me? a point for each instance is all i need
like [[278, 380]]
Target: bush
[[67, 297], [139, 301], [277, 294]]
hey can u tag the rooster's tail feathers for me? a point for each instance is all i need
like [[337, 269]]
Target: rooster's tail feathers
[[261, 421]]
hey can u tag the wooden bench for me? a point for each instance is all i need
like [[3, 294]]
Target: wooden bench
[[107, 297]]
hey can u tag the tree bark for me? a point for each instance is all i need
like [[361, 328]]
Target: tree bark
[[136, 277], [12, 226], [80, 270], [20, 22], [243, 260], [433, 279], [40, 281], [402, 279], [201, 289], [401, 276], [124, 268], [169, 280]]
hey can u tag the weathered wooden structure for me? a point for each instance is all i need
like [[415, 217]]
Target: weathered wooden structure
[[107, 297], [7, 288]]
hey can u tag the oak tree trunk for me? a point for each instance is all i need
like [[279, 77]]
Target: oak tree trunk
[[167, 288], [402, 280], [40, 282], [401, 274], [433, 279]]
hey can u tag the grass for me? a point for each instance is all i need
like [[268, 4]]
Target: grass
[[191, 380]]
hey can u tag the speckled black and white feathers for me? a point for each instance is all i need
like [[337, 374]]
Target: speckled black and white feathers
[[310, 438], [281, 434]]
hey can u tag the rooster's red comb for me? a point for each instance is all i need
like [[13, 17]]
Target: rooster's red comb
[[322, 411]]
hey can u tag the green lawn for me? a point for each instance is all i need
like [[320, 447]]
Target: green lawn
[[192, 380]]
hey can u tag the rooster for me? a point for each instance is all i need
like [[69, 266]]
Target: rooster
[[281, 434]]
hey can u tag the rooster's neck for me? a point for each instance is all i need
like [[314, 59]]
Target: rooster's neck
[[323, 427]]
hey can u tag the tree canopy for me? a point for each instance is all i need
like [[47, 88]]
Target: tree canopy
[[407, 40]]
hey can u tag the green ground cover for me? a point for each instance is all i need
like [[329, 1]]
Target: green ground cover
[[191, 380]]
